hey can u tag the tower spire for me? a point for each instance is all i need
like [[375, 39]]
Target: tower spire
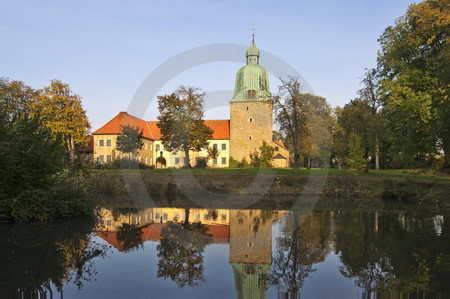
[[253, 34]]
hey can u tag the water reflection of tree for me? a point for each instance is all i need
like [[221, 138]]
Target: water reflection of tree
[[402, 254], [40, 255], [305, 241], [181, 252], [130, 237]]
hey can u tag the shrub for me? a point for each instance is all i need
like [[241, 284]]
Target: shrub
[[201, 163]]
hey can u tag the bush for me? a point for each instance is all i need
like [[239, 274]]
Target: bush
[[64, 199], [125, 163], [201, 163]]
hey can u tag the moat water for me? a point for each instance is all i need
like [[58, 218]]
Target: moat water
[[216, 253]]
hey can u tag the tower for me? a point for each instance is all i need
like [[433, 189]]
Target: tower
[[250, 108]]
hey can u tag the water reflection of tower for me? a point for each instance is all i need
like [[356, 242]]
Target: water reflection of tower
[[251, 251]]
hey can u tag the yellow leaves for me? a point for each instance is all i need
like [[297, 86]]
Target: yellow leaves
[[61, 111]]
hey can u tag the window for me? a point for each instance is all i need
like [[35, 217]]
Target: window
[[247, 108], [205, 216], [157, 147], [276, 148], [249, 137], [150, 146], [108, 143], [157, 216], [251, 119], [215, 146], [224, 217], [145, 145], [101, 159], [215, 161], [197, 216], [108, 159], [224, 161], [146, 160], [177, 160], [101, 143], [224, 146], [165, 216], [251, 94]]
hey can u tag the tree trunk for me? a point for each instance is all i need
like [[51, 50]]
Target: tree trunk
[[129, 160], [71, 148], [187, 163], [186, 217], [309, 162], [296, 158], [446, 149], [377, 154]]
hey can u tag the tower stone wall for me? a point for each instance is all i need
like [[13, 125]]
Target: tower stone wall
[[250, 125]]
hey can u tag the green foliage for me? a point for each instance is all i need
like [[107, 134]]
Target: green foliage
[[29, 156], [414, 60], [201, 163], [238, 164], [355, 156], [263, 157], [31, 162], [119, 163], [180, 252], [305, 120], [129, 141], [63, 199], [130, 237], [181, 121], [49, 253]]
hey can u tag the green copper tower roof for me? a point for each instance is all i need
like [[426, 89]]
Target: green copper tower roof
[[252, 80], [252, 50]]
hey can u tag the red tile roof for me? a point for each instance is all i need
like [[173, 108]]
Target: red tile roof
[[221, 128], [220, 234], [124, 119], [280, 143]]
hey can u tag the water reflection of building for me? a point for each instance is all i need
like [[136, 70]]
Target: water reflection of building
[[251, 250], [152, 220]]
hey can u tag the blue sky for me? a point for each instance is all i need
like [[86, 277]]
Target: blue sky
[[105, 49]]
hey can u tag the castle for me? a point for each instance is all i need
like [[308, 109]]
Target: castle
[[250, 125]]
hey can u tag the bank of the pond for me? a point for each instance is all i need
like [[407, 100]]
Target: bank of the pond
[[271, 187]]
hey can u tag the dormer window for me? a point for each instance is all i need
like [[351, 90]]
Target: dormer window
[[251, 94]]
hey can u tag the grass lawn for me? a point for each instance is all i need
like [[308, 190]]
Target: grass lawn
[[386, 173]]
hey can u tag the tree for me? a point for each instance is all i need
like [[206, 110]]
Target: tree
[[370, 94], [305, 120], [29, 156], [290, 114], [213, 152], [181, 121], [16, 98], [130, 237], [355, 156], [62, 112], [181, 252], [319, 123], [263, 157], [413, 61], [129, 141]]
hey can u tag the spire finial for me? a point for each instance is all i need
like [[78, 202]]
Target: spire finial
[[253, 34]]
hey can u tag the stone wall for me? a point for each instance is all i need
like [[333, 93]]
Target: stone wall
[[250, 125]]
